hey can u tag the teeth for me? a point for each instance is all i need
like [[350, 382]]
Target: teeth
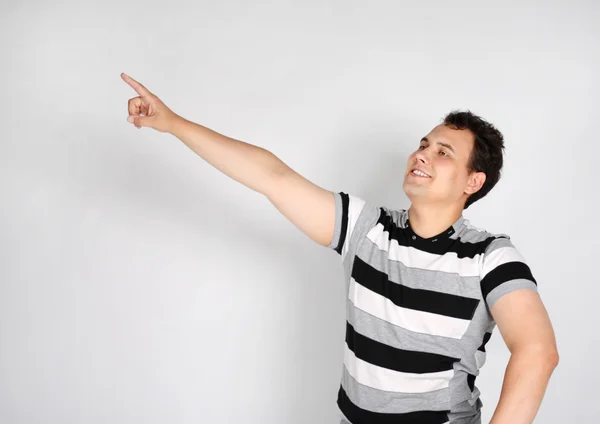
[[420, 173]]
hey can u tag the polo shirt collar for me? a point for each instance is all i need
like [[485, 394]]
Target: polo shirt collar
[[448, 233]]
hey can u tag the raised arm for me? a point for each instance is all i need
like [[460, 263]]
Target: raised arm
[[308, 206]]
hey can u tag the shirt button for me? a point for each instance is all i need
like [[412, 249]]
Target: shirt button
[[414, 237]]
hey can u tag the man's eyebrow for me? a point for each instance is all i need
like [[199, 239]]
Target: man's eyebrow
[[446, 145]]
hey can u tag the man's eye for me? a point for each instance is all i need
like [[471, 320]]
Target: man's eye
[[443, 153], [421, 147]]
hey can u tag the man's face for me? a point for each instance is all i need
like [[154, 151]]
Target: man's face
[[443, 155]]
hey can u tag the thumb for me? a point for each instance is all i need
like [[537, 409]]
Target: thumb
[[138, 121]]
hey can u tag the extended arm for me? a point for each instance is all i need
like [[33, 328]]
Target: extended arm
[[308, 206]]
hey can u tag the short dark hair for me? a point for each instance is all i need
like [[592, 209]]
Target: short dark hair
[[487, 153]]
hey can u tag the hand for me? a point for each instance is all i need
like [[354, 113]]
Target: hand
[[147, 110]]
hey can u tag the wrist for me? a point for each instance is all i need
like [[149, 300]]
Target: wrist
[[176, 124]]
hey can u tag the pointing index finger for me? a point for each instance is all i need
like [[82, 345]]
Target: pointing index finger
[[139, 88]]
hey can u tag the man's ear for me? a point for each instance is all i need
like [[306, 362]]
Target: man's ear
[[475, 182]]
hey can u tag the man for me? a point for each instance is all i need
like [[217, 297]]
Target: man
[[425, 288]]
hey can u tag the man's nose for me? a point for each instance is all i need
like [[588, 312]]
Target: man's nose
[[421, 156]]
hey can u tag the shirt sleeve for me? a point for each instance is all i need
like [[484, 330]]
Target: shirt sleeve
[[353, 218], [503, 271]]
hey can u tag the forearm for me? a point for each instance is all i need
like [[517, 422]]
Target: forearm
[[250, 165], [525, 382]]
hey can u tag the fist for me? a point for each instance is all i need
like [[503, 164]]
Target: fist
[[147, 110]]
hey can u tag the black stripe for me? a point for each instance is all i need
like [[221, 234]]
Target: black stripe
[[486, 338], [418, 299], [471, 382], [392, 358], [440, 247], [358, 415], [504, 273], [345, 208]]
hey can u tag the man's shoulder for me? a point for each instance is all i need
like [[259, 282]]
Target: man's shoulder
[[470, 233]]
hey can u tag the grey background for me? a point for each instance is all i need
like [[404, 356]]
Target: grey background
[[140, 285]]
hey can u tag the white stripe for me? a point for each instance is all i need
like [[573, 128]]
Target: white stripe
[[394, 381], [355, 207], [409, 319], [500, 256], [415, 258]]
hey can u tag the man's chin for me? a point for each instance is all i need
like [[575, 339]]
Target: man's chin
[[416, 193], [413, 189]]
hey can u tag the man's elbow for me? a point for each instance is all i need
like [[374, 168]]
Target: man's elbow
[[549, 358], [545, 355], [553, 358], [550, 355]]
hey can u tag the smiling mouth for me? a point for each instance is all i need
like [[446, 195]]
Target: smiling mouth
[[419, 174]]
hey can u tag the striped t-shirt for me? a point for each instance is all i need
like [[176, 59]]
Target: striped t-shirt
[[418, 314]]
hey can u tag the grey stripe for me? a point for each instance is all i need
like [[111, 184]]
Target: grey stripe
[[366, 220], [507, 287], [467, 414], [471, 235], [398, 337], [499, 244], [418, 278], [392, 402]]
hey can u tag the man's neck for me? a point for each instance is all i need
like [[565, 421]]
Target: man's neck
[[429, 220]]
